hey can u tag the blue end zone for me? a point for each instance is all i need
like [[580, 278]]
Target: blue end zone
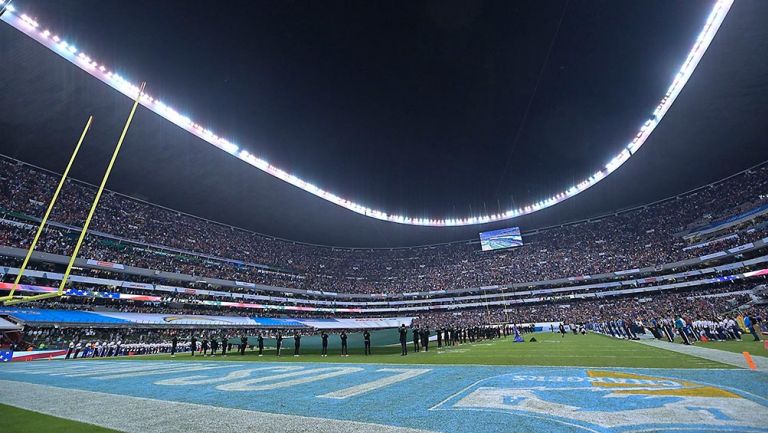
[[438, 398]]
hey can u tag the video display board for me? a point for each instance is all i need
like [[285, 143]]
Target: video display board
[[502, 238]]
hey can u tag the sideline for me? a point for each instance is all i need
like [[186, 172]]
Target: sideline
[[721, 356]]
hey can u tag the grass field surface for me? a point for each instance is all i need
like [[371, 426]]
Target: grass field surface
[[15, 420], [591, 350], [746, 345]]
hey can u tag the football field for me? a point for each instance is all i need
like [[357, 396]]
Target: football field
[[582, 383], [591, 350]]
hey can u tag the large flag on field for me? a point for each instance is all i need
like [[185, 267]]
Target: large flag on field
[[518, 338], [6, 355], [740, 322]]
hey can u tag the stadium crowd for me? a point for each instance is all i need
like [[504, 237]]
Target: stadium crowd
[[161, 239], [134, 233], [721, 313]]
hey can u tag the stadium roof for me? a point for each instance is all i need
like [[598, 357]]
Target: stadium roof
[[423, 109]]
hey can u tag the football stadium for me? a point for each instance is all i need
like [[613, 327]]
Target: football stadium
[[425, 216]]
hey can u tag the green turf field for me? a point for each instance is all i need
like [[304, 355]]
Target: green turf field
[[14, 420], [591, 350]]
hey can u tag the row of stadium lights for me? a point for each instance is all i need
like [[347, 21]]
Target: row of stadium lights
[[31, 27]]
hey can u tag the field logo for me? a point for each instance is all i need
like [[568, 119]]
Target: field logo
[[614, 401]]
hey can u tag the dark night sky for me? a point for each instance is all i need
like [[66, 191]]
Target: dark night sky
[[424, 108]]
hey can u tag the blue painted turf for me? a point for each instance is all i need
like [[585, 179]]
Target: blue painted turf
[[450, 398]]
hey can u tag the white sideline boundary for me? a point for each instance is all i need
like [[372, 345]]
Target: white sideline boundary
[[715, 355]]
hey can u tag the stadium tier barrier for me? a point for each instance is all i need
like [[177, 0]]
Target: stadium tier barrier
[[511, 299]]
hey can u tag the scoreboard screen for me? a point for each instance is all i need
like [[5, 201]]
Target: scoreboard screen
[[499, 239]]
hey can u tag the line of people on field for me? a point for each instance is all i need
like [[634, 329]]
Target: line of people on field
[[689, 331], [448, 336], [107, 349]]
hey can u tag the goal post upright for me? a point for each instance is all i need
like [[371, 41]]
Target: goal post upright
[[91, 212], [48, 211]]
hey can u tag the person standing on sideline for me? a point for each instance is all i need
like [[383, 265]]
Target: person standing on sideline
[[749, 323], [193, 344], [174, 343], [279, 342], [243, 344], [403, 340], [296, 343], [367, 341], [343, 337], [205, 346], [415, 331], [425, 339], [71, 349], [260, 341], [324, 338], [214, 346], [224, 345], [680, 327], [562, 330], [439, 333]]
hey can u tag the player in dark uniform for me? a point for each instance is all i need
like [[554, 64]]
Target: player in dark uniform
[[415, 331], [296, 343], [562, 331], [324, 337], [425, 339], [243, 344], [279, 342], [260, 341], [71, 348], [439, 333], [193, 344], [214, 346], [224, 345], [367, 340], [205, 346], [403, 340], [174, 342], [343, 337]]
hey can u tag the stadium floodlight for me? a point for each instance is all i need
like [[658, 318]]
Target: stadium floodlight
[[29, 26]]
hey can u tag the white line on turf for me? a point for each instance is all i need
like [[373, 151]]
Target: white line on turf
[[354, 391]]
